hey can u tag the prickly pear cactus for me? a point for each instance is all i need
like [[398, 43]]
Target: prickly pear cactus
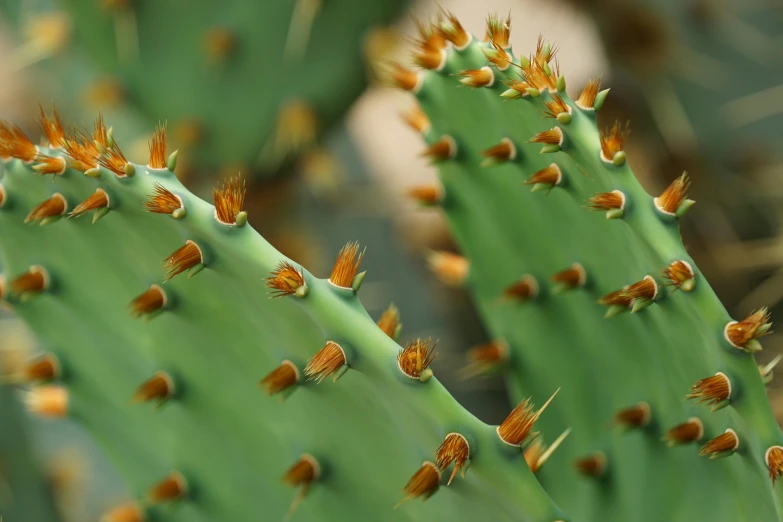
[[260, 60], [581, 277], [156, 308]]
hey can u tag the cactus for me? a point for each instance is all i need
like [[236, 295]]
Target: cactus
[[209, 336], [104, 235], [24, 493], [556, 233], [251, 55]]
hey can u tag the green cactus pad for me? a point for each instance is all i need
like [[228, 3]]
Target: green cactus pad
[[24, 493], [216, 337], [652, 355]]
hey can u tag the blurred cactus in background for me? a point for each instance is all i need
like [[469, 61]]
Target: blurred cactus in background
[[25, 493], [638, 396], [248, 83]]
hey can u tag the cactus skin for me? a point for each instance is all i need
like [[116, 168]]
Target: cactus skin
[[24, 494], [219, 336], [605, 365], [179, 83]]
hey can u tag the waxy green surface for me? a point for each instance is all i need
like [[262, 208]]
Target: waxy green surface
[[370, 430], [604, 365]]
